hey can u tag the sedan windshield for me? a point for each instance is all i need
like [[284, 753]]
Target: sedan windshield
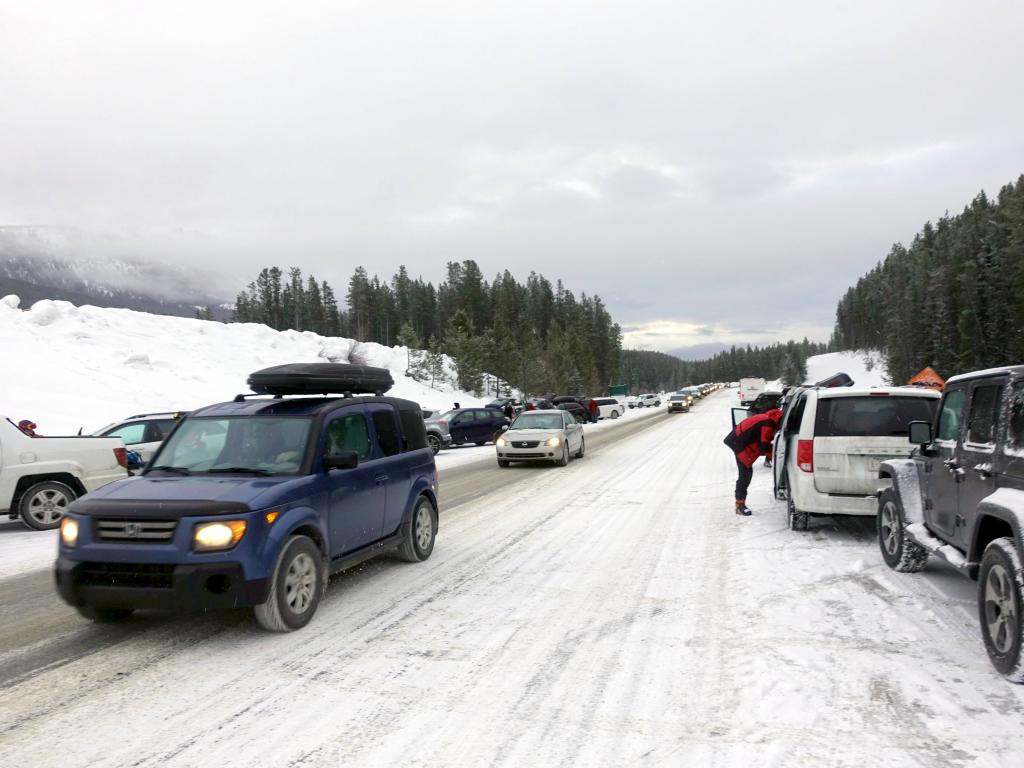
[[236, 445], [538, 421]]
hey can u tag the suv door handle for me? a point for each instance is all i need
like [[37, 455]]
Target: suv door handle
[[380, 479]]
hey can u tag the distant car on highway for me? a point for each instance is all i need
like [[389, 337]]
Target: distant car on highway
[[678, 403], [552, 435], [648, 401]]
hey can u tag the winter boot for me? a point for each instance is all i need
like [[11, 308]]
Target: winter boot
[[742, 509]]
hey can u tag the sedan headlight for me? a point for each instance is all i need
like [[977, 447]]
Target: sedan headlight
[[554, 441], [68, 532], [500, 442], [209, 537]]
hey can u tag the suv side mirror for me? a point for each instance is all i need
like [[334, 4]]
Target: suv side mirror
[[920, 433], [341, 460]]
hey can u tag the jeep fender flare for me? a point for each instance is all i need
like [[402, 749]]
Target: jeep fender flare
[[1006, 504], [906, 483], [285, 526]]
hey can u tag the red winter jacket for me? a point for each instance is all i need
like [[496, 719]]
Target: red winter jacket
[[753, 437]]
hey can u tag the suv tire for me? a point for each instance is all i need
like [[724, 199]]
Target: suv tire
[[434, 442], [899, 552], [1000, 603], [43, 505], [422, 531], [797, 520], [298, 583], [104, 615]]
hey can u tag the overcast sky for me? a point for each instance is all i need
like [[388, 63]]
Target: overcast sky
[[716, 171]]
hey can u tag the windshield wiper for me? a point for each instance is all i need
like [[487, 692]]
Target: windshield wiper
[[238, 471], [169, 468]]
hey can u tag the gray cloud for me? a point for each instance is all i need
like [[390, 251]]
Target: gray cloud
[[700, 164]]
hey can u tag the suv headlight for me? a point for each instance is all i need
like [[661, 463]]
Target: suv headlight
[[210, 537], [69, 532]]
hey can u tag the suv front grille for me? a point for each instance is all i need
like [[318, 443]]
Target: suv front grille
[[138, 575], [136, 530]]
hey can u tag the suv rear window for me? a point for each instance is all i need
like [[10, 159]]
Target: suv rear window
[[414, 431], [875, 415], [387, 434]]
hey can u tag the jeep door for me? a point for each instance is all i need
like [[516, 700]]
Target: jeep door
[[391, 467], [977, 457], [942, 471], [355, 498]]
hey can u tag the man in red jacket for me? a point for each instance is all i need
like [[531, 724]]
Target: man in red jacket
[[749, 441]]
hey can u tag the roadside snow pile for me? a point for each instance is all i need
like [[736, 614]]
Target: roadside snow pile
[[866, 367], [67, 367]]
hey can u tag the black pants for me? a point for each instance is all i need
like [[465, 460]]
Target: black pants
[[743, 480]]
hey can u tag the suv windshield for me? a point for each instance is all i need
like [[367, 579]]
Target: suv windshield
[[238, 444], [678, 397], [538, 421], [875, 415]]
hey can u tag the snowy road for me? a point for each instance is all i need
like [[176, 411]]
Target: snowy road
[[614, 612]]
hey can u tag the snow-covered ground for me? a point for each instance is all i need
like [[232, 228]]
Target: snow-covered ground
[[866, 368], [611, 613], [68, 367]]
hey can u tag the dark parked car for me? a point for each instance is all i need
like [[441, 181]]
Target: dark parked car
[[581, 414], [961, 498], [475, 425], [256, 502]]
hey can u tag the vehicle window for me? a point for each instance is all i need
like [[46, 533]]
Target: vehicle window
[[163, 428], [796, 415], [387, 432], [273, 445], [952, 413], [870, 415], [487, 414], [540, 421], [984, 415], [348, 433], [1015, 428], [129, 433], [413, 431]]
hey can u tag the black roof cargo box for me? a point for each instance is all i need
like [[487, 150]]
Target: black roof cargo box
[[321, 379]]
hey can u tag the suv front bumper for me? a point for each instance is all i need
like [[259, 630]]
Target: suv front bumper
[[205, 586]]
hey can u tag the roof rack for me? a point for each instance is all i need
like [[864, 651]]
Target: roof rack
[[174, 414]]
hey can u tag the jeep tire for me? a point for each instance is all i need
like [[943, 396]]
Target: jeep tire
[[422, 531], [298, 583], [899, 552], [1000, 603], [43, 505]]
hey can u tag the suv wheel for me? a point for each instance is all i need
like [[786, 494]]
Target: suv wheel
[[900, 553], [422, 532], [295, 588], [435, 443], [44, 504], [797, 520], [999, 608]]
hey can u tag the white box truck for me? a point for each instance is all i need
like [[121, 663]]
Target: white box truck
[[750, 388]]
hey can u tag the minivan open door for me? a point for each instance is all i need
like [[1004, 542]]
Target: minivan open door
[[738, 415]]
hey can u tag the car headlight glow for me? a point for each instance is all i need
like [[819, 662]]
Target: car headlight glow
[[500, 442], [554, 441], [68, 532], [209, 537]]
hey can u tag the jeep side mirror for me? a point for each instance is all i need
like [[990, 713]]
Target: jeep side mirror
[[920, 432], [341, 460]]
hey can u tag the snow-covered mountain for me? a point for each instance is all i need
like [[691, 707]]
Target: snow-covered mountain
[[52, 263], [68, 367]]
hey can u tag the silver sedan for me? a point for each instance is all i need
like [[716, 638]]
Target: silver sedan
[[541, 436]]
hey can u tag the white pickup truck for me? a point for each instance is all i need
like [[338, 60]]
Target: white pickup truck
[[41, 476]]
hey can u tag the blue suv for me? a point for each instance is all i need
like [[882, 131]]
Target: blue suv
[[255, 503]]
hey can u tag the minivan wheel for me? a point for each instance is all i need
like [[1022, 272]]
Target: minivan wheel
[[797, 520], [422, 531], [44, 504], [104, 615], [899, 552], [615, 414], [435, 443], [295, 589], [1000, 607]]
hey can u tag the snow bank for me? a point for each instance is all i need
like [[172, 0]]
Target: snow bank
[[67, 367], [867, 368]]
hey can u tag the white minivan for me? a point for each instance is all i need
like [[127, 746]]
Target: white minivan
[[831, 442]]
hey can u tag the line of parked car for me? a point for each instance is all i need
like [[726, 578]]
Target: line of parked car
[[943, 474]]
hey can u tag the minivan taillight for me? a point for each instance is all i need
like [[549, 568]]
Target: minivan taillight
[[122, 456], [805, 455]]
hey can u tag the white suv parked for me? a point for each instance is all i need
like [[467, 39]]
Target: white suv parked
[[609, 408], [144, 432], [831, 442], [648, 401]]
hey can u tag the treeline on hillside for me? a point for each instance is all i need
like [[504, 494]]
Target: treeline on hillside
[[534, 336], [656, 371], [953, 299]]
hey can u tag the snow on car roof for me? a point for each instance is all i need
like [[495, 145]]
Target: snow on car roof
[[862, 391]]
